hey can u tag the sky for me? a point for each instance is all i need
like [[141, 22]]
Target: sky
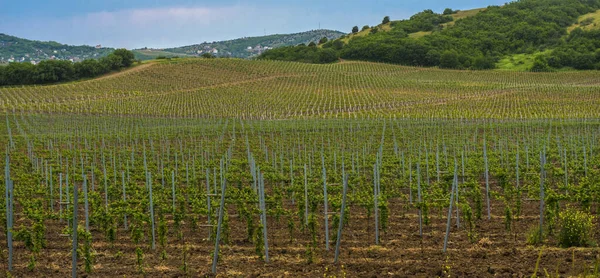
[[169, 23]]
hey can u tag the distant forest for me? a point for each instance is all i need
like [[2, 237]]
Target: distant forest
[[475, 42]]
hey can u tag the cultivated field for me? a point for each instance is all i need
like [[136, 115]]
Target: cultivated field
[[405, 171]]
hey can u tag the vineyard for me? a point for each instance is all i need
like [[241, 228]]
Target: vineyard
[[235, 168]]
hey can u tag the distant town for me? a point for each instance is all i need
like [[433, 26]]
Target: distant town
[[35, 55]]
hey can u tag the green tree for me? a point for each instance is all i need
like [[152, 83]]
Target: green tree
[[19, 74], [366, 27], [540, 64], [127, 57], [88, 68], [51, 71], [354, 29], [111, 62], [312, 44], [385, 20], [327, 56], [208, 55], [448, 11], [449, 60], [584, 61], [338, 44], [483, 62], [2, 76], [323, 40]]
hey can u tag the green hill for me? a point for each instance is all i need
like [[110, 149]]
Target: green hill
[[243, 47], [23, 50], [539, 35]]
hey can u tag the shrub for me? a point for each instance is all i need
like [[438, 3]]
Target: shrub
[[576, 228], [534, 235], [449, 60]]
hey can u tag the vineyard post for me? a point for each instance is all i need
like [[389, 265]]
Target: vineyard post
[[93, 181], [263, 216], [487, 179], [457, 193], [162, 172], [105, 181], [219, 222], [207, 197], [173, 189], [46, 180], [60, 196], [85, 196], [585, 167], [437, 162], [375, 203], [9, 207], [305, 197], [124, 199], [566, 170], [341, 223], [517, 168], [292, 180], [67, 186], [10, 138], [462, 162], [410, 193], [86, 204], [542, 175], [149, 182], [419, 201], [325, 213], [75, 226], [454, 188], [51, 191]]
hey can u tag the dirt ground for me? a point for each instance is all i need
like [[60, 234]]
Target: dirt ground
[[495, 252]]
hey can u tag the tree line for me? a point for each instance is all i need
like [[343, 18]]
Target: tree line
[[478, 41], [53, 71]]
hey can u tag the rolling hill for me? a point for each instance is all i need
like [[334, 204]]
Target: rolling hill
[[14, 49], [242, 47], [535, 35]]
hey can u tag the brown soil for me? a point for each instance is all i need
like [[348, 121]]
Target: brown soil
[[495, 252]]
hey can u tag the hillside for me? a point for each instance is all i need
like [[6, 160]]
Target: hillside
[[14, 49], [243, 47], [248, 89], [537, 35], [457, 15]]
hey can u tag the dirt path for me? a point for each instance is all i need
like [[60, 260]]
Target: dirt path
[[120, 73]]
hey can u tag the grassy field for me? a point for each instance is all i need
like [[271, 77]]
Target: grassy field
[[269, 167], [589, 21]]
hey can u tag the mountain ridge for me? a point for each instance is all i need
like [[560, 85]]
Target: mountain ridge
[[245, 47]]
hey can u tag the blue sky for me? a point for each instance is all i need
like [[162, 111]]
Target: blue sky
[[162, 23]]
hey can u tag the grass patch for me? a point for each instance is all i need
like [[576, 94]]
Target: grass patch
[[589, 21], [463, 14], [519, 62], [419, 34]]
